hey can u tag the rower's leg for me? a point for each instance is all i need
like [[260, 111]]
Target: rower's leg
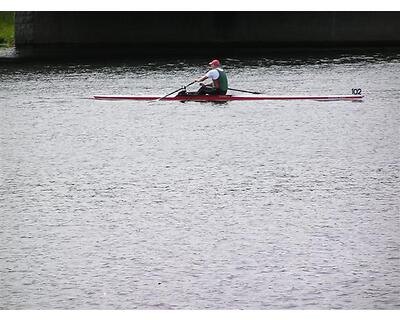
[[201, 90], [182, 93], [207, 90]]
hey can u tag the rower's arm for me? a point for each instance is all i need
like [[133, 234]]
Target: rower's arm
[[201, 79]]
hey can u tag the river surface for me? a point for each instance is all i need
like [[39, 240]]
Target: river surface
[[170, 205]]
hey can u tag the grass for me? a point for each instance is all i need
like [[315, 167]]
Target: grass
[[6, 29]]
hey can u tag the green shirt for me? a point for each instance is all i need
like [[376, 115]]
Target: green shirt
[[222, 81]]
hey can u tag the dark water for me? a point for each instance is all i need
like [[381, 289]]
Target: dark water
[[169, 205]]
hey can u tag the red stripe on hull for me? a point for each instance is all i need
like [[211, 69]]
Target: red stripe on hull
[[229, 98]]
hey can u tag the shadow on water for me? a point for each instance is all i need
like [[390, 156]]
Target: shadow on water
[[178, 57]]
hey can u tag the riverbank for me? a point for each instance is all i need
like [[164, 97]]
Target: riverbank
[[7, 29]]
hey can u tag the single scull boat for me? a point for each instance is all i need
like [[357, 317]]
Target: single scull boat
[[203, 98]]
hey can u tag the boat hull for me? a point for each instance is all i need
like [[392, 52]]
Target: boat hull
[[229, 98]]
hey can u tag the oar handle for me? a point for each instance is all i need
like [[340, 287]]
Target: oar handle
[[184, 87]]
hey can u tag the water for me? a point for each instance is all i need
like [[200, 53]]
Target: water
[[170, 205]]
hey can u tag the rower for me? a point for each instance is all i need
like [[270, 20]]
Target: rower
[[219, 85]]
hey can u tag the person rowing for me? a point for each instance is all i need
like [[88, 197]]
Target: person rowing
[[218, 86]]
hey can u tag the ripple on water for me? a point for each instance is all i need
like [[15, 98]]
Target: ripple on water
[[120, 205]]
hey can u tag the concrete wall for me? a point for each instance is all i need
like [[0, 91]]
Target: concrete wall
[[204, 30]]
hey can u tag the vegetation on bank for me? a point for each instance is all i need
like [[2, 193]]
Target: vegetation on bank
[[6, 29]]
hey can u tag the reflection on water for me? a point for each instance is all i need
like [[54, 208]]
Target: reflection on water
[[168, 205]]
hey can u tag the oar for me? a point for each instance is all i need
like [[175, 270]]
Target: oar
[[253, 92], [176, 91]]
